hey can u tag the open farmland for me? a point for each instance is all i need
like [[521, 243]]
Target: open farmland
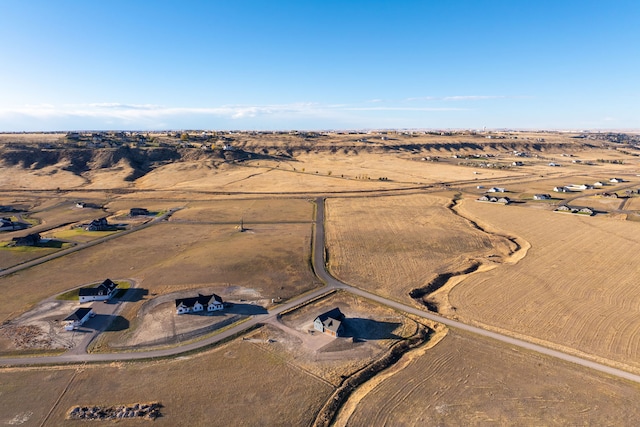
[[400, 217], [576, 287], [464, 380], [234, 384], [392, 245], [258, 210]]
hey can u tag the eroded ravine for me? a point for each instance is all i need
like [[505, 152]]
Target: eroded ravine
[[435, 295]]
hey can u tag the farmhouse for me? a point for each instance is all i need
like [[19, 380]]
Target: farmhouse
[[496, 190], [212, 302], [330, 322], [493, 199], [78, 318], [104, 291], [138, 212], [616, 180], [580, 187], [541, 196], [561, 189], [574, 210], [32, 239], [7, 224], [100, 224]]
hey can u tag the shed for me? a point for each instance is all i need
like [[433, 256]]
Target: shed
[[77, 318]]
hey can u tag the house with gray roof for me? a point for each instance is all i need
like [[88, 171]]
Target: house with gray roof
[[211, 302], [330, 322]]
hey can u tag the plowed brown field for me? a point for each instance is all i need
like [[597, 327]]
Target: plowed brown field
[[391, 245], [467, 380], [577, 287], [235, 384]]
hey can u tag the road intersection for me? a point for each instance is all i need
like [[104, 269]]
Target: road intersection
[[330, 284]]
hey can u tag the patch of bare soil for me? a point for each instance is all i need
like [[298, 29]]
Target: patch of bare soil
[[157, 322], [40, 328], [370, 330]]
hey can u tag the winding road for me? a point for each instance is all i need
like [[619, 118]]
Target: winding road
[[331, 283]]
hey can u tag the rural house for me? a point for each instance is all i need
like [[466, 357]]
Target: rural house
[[212, 302], [541, 197], [330, 322], [78, 318], [7, 224], [100, 224], [138, 212], [32, 239], [104, 291]]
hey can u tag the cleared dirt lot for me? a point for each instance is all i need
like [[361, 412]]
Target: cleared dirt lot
[[464, 380], [370, 329], [236, 384], [391, 245], [576, 287]]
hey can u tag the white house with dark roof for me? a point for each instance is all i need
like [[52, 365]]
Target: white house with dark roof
[[104, 291], [77, 318], [541, 196], [330, 322], [211, 303]]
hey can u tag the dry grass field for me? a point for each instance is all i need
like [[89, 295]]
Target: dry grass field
[[390, 228], [576, 287], [258, 210], [465, 380], [391, 245], [272, 259], [235, 384]]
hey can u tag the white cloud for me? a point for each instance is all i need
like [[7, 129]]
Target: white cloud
[[455, 98], [136, 112], [110, 115]]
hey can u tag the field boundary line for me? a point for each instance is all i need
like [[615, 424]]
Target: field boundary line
[[64, 391]]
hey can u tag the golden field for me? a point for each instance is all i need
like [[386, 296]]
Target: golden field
[[391, 245], [575, 288], [400, 213], [230, 385], [464, 380]]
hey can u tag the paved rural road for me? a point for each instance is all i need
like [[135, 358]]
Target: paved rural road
[[331, 284]]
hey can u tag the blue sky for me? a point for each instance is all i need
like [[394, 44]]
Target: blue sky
[[319, 64]]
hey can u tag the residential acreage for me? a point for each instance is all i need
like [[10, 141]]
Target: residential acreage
[[316, 278]]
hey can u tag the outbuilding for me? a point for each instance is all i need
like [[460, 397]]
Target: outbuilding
[[78, 318]]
